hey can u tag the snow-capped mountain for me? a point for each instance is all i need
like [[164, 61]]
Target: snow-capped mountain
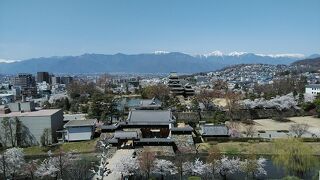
[[157, 62], [238, 54]]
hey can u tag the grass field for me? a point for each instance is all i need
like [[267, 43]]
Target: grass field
[[81, 147], [263, 148]]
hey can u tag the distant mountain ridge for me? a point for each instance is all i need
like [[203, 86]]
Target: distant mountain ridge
[[314, 62], [158, 62]]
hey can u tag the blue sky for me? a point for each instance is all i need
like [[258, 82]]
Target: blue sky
[[34, 28]]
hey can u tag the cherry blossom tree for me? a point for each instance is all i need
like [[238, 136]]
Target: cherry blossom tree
[[101, 170], [279, 102], [56, 166], [127, 166], [227, 166], [164, 167], [197, 167], [12, 161]]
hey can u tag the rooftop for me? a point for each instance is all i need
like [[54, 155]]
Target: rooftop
[[73, 123], [69, 117], [125, 135], [150, 117], [214, 130], [42, 112], [313, 86]]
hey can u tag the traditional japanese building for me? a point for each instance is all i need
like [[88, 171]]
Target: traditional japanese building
[[179, 87]]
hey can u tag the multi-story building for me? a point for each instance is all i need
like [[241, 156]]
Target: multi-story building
[[26, 83], [32, 123], [313, 89], [66, 80], [43, 77], [55, 80]]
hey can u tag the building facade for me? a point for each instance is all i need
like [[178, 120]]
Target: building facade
[[26, 83], [32, 123], [313, 89]]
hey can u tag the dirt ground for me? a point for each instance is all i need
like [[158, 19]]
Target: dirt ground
[[272, 125]]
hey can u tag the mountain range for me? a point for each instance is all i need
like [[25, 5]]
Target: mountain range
[[158, 62]]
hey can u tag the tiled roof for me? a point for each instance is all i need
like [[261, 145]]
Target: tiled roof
[[214, 130], [88, 122], [186, 128], [125, 135], [150, 117]]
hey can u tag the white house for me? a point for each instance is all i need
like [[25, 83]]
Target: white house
[[79, 130], [313, 89]]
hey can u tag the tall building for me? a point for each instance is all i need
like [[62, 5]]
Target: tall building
[[43, 76], [66, 80], [26, 83], [55, 80]]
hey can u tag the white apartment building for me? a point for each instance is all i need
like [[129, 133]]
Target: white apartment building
[[313, 89]]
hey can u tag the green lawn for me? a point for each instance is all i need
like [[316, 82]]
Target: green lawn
[[81, 147], [264, 148]]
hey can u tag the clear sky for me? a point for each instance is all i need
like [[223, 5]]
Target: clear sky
[[34, 28]]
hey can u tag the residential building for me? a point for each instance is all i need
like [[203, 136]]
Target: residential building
[[79, 130], [313, 89]]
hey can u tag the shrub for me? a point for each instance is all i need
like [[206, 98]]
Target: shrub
[[261, 131]]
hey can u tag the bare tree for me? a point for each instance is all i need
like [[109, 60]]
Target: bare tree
[[159, 91], [212, 159], [205, 97], [233, 128], [299, 129], [180, 159], [249, 130], [146, 161], [232, 99], [30, 168], [46, 137]]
